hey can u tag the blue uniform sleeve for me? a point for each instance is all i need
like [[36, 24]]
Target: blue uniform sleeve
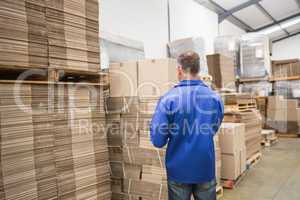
[[159, 128], [220, 116]]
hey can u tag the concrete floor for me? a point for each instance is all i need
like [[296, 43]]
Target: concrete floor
[[275, 177]]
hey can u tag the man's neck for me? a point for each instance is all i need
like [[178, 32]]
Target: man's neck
[[190, 77]]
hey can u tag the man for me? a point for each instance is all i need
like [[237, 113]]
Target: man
[[187, 118]]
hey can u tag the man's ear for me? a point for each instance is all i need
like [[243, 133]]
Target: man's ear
[[180, 72]]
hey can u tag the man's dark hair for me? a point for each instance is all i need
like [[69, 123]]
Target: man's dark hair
[[190, 62]]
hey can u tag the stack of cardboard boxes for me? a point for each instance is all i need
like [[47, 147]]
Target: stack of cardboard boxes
[[286, 68], [233, 149], [56, 34], [282, 114], [221, 68], [242, 109], [138, 169], [53, 142]]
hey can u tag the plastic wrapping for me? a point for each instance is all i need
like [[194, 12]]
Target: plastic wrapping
[[229, 46], [262, 88], [288, 89], [195, 44], [255, 56]]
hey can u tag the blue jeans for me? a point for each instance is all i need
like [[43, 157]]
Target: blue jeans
[[179, 191]]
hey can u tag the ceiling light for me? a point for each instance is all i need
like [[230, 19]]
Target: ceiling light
[[290, 23], [270, 30]]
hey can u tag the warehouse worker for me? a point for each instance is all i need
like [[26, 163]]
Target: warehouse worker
[[187, 118]]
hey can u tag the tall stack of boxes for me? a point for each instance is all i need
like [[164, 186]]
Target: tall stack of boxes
[[53, 142], [282, 114], [138, 169], [233, 149], [245, 111], [50, 34]]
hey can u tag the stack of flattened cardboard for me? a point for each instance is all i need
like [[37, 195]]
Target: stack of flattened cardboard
[[218, 156], [73, 34], [282, 114], [233, 148], [286, 68], [56, 34], [53, 142], [138, 169], [247, 114], [81, 152], [23, 34], [221, 68]]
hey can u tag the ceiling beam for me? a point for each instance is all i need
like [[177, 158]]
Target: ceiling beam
[[226, 14], [298, 2], [213, 6], [262, 9], [278, 22], [286, 37]]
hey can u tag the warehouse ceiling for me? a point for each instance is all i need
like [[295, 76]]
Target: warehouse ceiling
[[279, 19]]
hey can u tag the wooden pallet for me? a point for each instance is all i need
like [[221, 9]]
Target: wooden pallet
[[286, 78], [231, 184], [253, 160], [288, 135], [45, 75], [240, 107], [220, 192], [243, 80], [269, 138]]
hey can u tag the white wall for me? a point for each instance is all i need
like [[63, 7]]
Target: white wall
[[141, 20], [147, 21], [189, 19], [287, 49], [227, 28]]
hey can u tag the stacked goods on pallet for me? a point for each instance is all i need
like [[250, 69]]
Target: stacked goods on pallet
[[262, 106], [56, 34], [53, 143], [221, 68], [81, 152], [255, 56], [288, 89], [241, 108], [138, 169], [195, 44], [282, 114], [233, 149], [73, 35], [229, 46], [257, 88], [285, 68], [23, 34]]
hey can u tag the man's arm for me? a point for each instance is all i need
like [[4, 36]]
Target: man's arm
[[159, 128], [220, 116]]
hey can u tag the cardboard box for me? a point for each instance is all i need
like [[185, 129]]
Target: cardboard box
[[123, 79], [221, 68], [156, 77], [233, 165], [232, 137]]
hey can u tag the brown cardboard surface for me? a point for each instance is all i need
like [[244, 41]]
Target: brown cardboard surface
[[232, 137], [156, 77], [123, 79]]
